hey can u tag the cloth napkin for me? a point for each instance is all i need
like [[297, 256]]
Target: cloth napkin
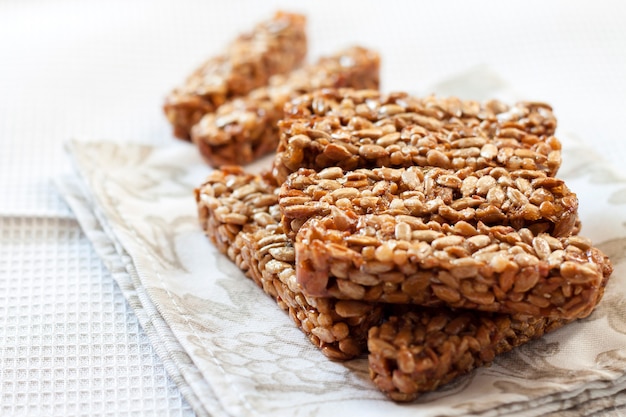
[[232, 351]]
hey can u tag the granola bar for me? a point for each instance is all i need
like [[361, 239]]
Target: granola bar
[[402, 259], [366, 129], [246, 128], [275, 46], [422, 349], [239, 213], [493, 196]]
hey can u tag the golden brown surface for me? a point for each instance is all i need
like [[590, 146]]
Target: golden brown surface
[[367, 129]]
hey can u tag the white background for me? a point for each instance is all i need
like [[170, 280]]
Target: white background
[[69, 343]]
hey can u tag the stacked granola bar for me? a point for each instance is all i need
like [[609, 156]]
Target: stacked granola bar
[[431, 234], [433, 267]]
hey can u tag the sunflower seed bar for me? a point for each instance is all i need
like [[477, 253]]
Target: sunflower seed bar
[[402, 259], [244, 129], [366, 129], [239, 213], [493, 196], [275, 46], [423, 349]]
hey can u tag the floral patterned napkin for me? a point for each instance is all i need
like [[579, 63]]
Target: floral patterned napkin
[[232, 351]]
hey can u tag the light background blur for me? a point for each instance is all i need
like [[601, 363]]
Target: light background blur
[[69, 343]]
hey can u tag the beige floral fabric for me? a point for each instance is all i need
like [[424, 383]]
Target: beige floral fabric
[[233, 352]]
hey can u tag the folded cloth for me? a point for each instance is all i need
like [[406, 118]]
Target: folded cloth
[[232, 351]]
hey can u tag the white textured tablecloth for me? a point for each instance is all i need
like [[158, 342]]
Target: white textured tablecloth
[[70, 343]]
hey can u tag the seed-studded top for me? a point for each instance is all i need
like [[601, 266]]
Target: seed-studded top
[[493, 196], [401, 259], [366, 129]]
